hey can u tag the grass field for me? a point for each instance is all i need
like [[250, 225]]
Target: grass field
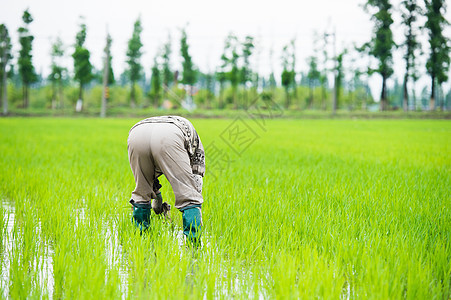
[[332, 209]]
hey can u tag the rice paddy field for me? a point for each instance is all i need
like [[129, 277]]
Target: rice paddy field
[[302, 209]]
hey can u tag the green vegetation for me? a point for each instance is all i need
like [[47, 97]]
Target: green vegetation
[[239, 77], [26, 69], [440, 45], [57, 74], [134, 53], [412, 47], [296, 209], [188, 74], [382, 43], [5, 56], [82, 66], [119, 96]]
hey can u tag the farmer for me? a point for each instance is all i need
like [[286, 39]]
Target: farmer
[[167, 145]]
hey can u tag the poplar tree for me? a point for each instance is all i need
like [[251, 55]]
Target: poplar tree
[[26, 68], [134, 54], [230, 69], [293, 67], [313, 77], [288, 73], [108, 77], [221, 77], [288, 76], [246, 72], [339, 75], [272, 79], [5, 56], [57, 72], [168, 75], [155, 82], [82, 65], [381, 45], [410, 12], [188, 74], [438, 62], [109, 42], [324, 60]]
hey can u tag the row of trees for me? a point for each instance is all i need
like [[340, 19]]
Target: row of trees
[[382, 44], [235, 83], [83, 71]]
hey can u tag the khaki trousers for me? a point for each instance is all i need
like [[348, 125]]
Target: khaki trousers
[[158, 148]]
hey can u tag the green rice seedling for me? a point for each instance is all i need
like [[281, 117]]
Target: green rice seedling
[[293, 209]]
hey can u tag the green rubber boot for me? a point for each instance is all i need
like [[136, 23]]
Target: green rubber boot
[[141, 215], [192, 224]]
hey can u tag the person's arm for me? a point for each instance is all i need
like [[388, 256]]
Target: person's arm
[[198, 160]]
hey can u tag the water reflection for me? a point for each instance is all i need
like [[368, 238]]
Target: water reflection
[[42, 260], [12, 237]]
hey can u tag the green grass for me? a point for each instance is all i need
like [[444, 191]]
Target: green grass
[[310, 209]]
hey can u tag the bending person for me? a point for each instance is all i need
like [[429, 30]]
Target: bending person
[[167, 145]]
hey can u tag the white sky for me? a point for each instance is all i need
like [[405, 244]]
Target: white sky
[[272, 23]]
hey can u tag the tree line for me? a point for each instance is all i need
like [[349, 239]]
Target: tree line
[[235, 83]]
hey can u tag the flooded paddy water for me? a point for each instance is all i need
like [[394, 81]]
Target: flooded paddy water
[[40, 264]]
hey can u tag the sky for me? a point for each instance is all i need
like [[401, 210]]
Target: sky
[[272, 23]]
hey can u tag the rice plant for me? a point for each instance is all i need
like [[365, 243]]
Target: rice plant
[[293, 209]]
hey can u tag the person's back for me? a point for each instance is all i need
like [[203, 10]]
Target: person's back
[[167, 145]]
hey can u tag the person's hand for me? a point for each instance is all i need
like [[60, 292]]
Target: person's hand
[[157, 203], [156, 185], [166, 208]]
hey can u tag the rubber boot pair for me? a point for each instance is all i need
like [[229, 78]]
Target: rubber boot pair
[[192, 224], [141, 215]]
